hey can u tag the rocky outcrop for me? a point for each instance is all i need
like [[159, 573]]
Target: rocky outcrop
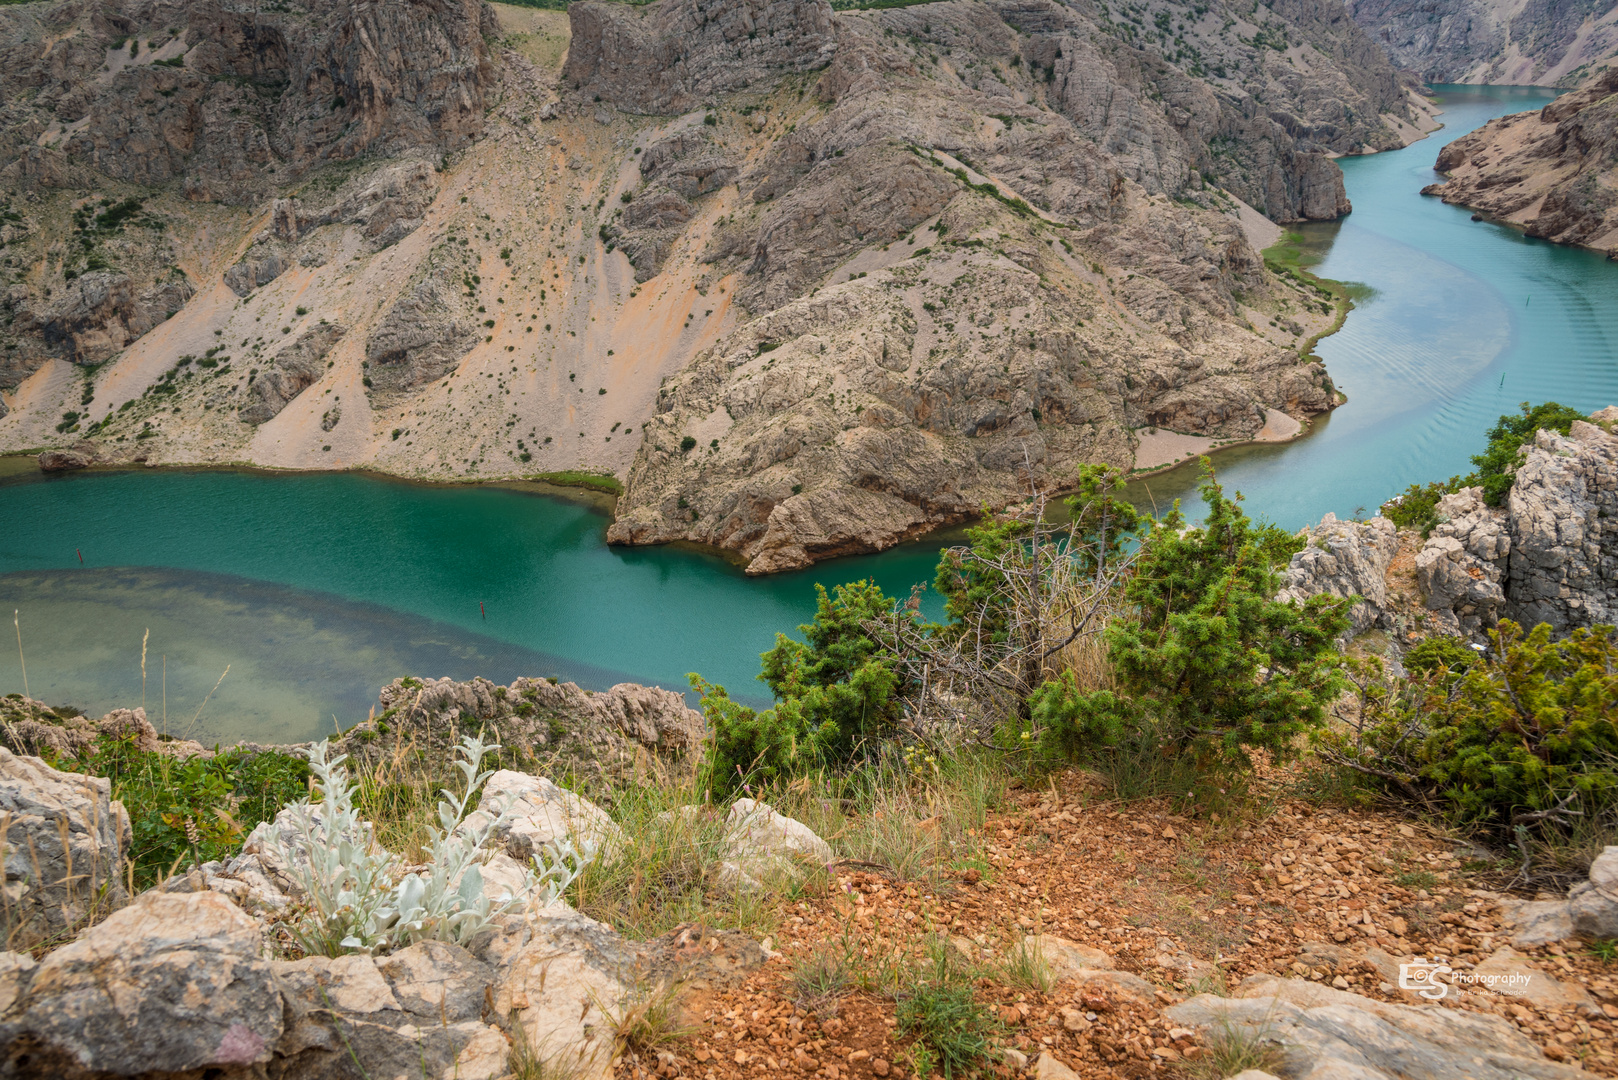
[[1593, 904], [1563, 509], [1554, 172], [230, 106], [32, 727], [176, 981], [385, 206], [672, 57], [290, 372], [1537, 42], [422, 336], [151, 95], [1462, 567], [67, 460], [1317, 1031], [1590, 909], [65, 839], [180, 981], [1549, 555], [530, 815], [600, 732], [1347, 558], [98, 313]]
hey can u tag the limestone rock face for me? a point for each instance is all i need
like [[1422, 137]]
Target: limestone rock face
[[599, 732], [165, 95], [65, 460], [1549, 555], [669, 58], [422, 336], [1326, 1032], [1539, 43], [1593, 904], [394, 1035], [290, 372], [1553, 171], [1461, 568], [65, 839], [765, 845], [533, 815], [100, 312], [171, 982], [1564, 525], [1347, 558]]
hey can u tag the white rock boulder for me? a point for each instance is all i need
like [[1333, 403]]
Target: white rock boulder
[[64, 844], [173, 982], [1593, 904], [534, 814], [1325, 1034]]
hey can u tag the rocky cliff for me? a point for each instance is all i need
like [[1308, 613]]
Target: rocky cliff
[[1554, 172], [1549, 555], [1516, 43], [807, 281]]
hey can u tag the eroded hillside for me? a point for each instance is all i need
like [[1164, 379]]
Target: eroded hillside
[[1504, 42], [1554, 172], [807, 282]]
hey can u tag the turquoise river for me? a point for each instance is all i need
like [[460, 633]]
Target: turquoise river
[[315, 589]]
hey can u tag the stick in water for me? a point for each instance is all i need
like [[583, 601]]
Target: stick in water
[[143, 638], [20, 663]]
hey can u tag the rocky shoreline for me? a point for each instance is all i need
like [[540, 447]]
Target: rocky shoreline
[[1549, 172], [1007, 275]]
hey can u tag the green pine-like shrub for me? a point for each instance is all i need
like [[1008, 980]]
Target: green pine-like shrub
[[1210, 666], [1521, 735], [836, 697]]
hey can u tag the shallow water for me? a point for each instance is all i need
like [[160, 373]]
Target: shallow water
[[316, 589], [1463, 321]]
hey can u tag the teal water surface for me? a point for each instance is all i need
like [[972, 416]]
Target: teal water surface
[[1462, 321], [316, 589]]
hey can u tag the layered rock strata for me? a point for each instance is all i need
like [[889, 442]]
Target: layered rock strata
[[808, 282], [1554, 172], [1511, 43]]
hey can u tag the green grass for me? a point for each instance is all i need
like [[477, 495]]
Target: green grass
[[953, 1032], [1291, 257], [1420, 879], [1025, 968], [601, 482], [191, 811], [1229, 1049]]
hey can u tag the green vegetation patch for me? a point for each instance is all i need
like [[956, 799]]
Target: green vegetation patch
[[602, 482], [191, 811]]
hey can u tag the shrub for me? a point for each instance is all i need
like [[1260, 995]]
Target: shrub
[[1518, 737], [1417, 507], [836, 695], [688, 443], [1497, 465], [1209, 665], [353, 901]]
